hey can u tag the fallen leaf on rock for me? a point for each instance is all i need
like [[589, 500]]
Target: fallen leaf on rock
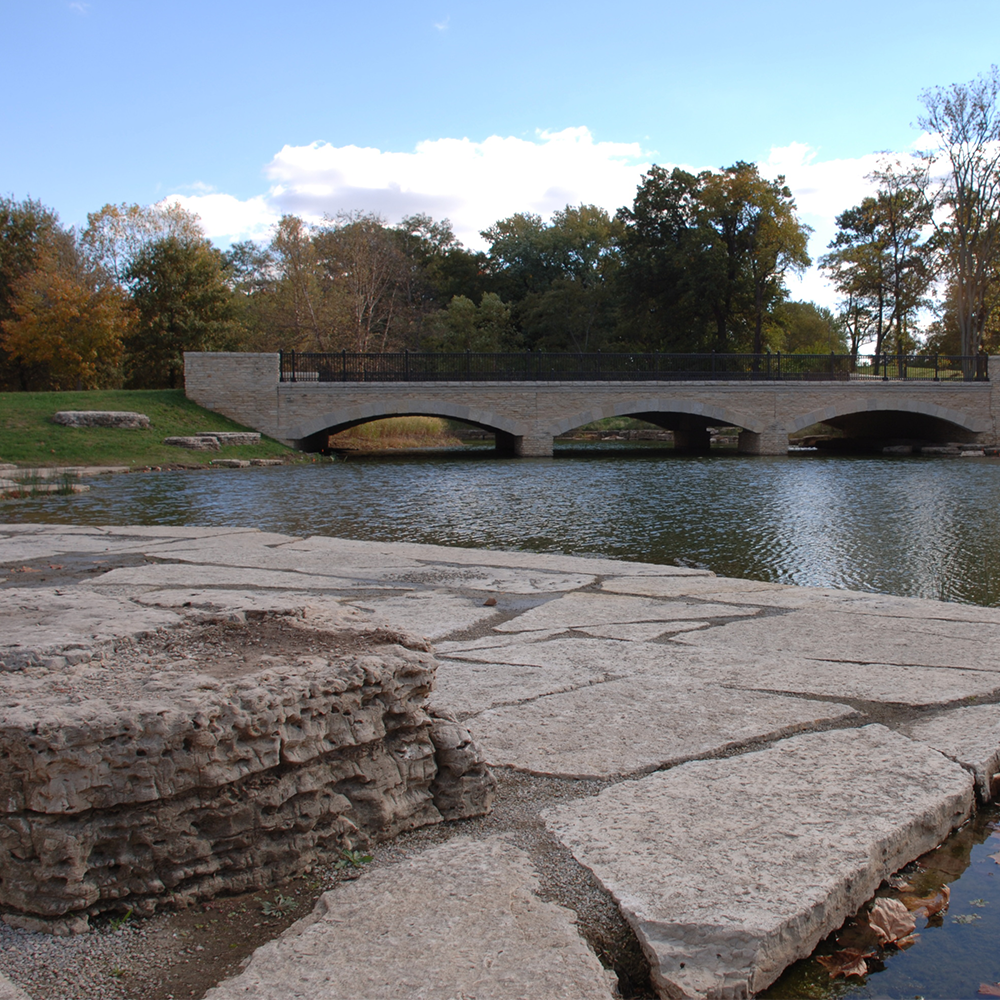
[[927, 906], [490, 602], [989, 989], [27, 569], [55, 567], [891, 920], [848, 962]]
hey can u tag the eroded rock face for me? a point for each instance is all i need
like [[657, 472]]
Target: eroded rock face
[[217, 757]]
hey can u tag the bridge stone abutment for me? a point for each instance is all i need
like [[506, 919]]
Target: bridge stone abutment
[[526, 416]]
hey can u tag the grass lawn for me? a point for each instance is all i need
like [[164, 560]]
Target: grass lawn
[[28, 436]]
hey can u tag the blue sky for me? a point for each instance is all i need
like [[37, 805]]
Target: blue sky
[[244, 110]]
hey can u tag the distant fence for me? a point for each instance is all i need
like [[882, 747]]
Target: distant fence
[[537, 366]]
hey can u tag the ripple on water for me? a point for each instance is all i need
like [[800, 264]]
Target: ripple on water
[[915, 527]]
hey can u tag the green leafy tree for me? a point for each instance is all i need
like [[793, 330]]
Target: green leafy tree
[[182, 303], [964, 119], [464, 326], [704, 257], [881, 259]]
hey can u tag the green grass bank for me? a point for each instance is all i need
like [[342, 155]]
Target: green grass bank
[[28, 437]]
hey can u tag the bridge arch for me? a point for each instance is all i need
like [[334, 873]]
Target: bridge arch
[[708, 414], [309, 431], [924, 417]]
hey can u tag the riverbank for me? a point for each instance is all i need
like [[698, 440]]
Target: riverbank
[[682, 757], [28, 436]]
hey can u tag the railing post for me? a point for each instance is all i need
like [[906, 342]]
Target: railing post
[[713, 361], [468, 365], [293, 366], [936, 379], [779, 364], [406, 365], [343, 365], [885, 367]]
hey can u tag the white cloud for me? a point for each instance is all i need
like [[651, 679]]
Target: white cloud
[[442, 25], [476, 183], [227, 219], [80, 8], [472, 183]]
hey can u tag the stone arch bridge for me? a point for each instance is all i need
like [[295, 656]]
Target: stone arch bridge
[[526, 416]]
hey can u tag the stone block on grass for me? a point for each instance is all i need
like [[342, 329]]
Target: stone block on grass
[[102, 418]]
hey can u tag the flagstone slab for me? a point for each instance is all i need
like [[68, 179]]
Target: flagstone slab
[[849, 638], [458, 922], [469, 688], [41, 622], [969, 736], [813, 675], [431, 613], [586, 610], [728, 870], [626, 726], [161, 575], [612, 657]]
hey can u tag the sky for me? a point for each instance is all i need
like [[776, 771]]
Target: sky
[[243, 111]]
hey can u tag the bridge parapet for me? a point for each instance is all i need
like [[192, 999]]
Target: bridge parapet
[[527, 415]]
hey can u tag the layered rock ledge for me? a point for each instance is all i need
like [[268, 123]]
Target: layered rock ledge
[[218, 755]]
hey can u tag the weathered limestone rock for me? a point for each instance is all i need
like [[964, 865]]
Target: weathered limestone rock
[[729, 870], [970, 736], [101, 418], [458, 921], [231, 463], [223, 768], [204, 442], [230, 439], [46, 626]]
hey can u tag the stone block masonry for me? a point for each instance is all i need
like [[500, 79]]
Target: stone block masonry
[[527, 416]]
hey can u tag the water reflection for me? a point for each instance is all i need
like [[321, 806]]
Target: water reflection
[[921, 527]]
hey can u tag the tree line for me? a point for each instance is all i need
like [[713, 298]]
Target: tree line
[[697, 263]]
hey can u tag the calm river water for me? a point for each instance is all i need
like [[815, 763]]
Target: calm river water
[[923, 527]]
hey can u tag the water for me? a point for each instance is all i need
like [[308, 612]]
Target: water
[[955, 951], [909, 526]]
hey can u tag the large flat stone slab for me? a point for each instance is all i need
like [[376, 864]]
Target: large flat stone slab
[[585, 610], [729, 870], [970, 736], [432, 613], [634, 725], [41, 622], [458, 922], [848, 638], [814, 675]]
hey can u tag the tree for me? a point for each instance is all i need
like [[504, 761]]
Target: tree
[[358, 253], [965, 121], [704, 256], [182, 304], [65, 330], [464, 326], [881, 260], [117, 234], [806, 328]]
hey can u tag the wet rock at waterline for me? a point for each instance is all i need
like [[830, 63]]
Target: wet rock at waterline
[[729, 870]]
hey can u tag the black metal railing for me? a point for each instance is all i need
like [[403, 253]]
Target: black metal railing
[[538, 366]]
